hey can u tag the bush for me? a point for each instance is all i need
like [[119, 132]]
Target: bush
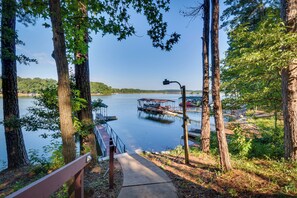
[[271, 142], [239, 145]]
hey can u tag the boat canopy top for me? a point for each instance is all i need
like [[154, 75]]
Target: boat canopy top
[[154, 100]]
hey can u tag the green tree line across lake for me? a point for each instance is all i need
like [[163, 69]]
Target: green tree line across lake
[[35, 85]]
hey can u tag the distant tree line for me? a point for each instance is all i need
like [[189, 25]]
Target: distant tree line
[[35, 85]]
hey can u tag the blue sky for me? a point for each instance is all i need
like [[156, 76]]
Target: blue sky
[[132, 63]]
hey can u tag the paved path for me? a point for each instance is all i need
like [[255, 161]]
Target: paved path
[[144, 179]]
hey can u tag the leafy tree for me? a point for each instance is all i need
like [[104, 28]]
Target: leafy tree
[[256, 66], [45, 112], [28, 85], [247, 75], [15, 147], [100, 88], [109, 17], [251, 68], [240, 12], [218, 113]]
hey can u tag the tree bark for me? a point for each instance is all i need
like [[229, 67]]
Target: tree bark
[[289, 85], [15, 147], [82, 78], [205, 122], [64, 93], [219, 122]]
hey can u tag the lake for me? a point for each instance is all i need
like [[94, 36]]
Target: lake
[[136, 129]]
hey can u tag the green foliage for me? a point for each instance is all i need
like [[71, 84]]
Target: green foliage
[[214, 147], [259, 48], [18, 185], [240, 12], [281, 172], [231, 104], [45, 113], [105, 17], [251, 71], [97, 104], [56, 159], [37, 85], [100, 88], [43, 165], [271, 142], [177, 151], [239, 145], [12, 10]]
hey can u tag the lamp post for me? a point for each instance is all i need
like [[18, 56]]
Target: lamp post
[[185, 117]]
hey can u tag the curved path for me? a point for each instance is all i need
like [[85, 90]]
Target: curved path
[[144, 179]]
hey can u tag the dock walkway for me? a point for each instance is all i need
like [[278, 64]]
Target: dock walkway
[[105, 137], [104, 133], [144, 179]]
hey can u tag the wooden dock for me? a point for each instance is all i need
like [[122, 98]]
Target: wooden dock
[[103, 139], [103, 134], [101, 117]]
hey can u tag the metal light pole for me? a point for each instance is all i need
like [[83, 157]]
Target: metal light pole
[[185, 118]]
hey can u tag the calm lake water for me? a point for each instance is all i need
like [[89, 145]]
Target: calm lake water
[[136, 129]]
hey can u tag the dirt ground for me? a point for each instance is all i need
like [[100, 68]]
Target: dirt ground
[[97, 181], [203, 178]]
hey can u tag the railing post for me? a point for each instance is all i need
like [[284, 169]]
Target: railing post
[[79, 184], [111, 163]]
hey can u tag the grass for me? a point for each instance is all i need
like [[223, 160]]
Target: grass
[[258, 167], [249, 177]]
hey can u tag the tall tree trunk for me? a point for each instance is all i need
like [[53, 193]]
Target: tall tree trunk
[[64, 93], [15, 147], [289, 85], [82, 78], [219, 122], [205, 122]]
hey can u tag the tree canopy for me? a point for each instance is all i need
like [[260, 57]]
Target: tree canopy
[[251, 69]]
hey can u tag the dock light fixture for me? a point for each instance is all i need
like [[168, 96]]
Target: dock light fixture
[[185, 117]]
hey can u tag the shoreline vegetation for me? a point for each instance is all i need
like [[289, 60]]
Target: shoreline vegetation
[[259, 170], [28, 87]]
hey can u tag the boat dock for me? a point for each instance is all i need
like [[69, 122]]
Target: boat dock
[[103, 134], [103, 118]]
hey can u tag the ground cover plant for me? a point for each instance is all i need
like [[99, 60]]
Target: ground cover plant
[[258, 167]]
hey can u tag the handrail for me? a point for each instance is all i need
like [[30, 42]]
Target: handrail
[[49, 184], [101, 142], [121, 147]]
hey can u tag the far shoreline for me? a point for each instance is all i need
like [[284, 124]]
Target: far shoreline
[[98, 94]]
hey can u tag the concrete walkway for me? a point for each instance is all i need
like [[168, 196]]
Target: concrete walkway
[[144, 179]]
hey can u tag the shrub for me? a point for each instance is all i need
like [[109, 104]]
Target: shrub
[[239, 145]]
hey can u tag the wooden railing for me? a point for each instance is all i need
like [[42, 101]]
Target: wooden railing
[[118, 143], [49, 184]]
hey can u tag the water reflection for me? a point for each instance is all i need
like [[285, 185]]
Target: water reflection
[[162, 119]]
